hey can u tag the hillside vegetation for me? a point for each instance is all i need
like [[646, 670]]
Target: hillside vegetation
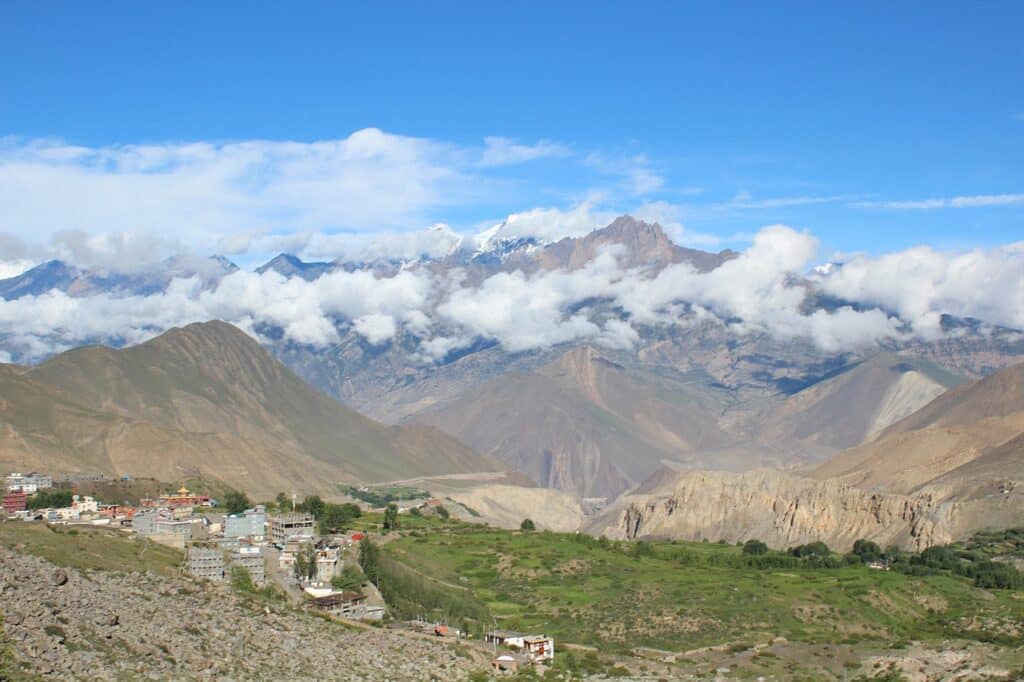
[[680, 597]]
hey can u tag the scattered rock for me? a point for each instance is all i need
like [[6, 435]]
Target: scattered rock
[[167, 627]]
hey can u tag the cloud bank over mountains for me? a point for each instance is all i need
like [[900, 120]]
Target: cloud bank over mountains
[[149, 208], [763, 289]]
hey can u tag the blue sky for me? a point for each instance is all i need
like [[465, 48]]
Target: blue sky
[[874, 126]]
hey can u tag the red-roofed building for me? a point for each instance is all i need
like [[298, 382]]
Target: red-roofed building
[[15, 502]]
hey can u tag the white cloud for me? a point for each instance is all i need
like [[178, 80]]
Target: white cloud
[[921, 283], [745, 201], [546, 224], [975, 201], [761, 290], [504, 151], [636, 176], [13, 268], [370, 179]]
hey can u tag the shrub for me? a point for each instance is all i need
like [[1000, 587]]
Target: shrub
[[527, 525], [241, 581], [755, 547]]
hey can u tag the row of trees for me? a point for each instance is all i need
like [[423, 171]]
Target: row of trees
[[933, 560], [47, 498], [410, 593]]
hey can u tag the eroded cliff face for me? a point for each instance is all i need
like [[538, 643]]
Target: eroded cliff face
[[785, 510]]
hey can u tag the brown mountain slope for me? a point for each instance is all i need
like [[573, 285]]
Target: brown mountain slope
[[588, 425], [845, 410], [45, 429], [949, 432], [998, 395], [211, 383]]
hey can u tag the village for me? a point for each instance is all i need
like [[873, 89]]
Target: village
[[288, 548]]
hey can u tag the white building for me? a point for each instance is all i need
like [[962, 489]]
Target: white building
[[28, 483], [84, 505]]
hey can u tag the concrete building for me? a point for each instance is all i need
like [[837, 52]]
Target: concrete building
[[84, 504], [510, 663], [27, 483], [249, 524], [506, 638], [341, 604], [539, 648], [251, 560], [171, 527], [206, 563], [328, 564], [285, 527], [144, 521]]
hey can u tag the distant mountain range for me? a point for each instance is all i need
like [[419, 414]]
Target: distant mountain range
[[206, 400], [77, 281], [595, 420]]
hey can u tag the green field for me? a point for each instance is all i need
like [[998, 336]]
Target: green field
[[679, 597], [381, 495]]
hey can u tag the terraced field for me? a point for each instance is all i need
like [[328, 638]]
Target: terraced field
[[684, 600]]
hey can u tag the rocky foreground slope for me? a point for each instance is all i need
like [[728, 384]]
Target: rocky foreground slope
[[105, 626]]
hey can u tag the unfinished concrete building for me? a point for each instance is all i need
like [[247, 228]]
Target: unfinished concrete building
[[206, 563], [285, 527], [251, 561]]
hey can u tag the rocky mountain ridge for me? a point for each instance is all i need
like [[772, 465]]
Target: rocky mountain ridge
[[952, 467]]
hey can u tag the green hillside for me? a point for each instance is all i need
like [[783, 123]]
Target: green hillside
[[681, 597]]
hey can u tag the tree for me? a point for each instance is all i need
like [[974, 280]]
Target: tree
[[313, 505], [335, 517], [236, 502], [527, 525], [391, 517], [867, 551], [893, 554], [305, 563], [350, 579], [282, 501], [415, 511], [46, 499], [369, 560], [811, 549], [442, 512], [755, 547]]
